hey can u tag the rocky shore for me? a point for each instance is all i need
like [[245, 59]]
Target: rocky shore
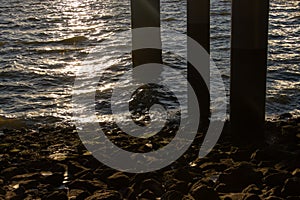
[[51, 163]]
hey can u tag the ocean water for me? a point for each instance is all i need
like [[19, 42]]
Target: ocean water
[[44, 43]]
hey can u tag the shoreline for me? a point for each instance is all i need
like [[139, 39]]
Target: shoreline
[[51, 163]]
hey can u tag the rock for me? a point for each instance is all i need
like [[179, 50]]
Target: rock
[[285, 115], [55, 179], [105, 194], [2, 191], [274, 198], [213, 166], [118, 180], [32, 176], [188, 197], [28, 184], [291, 187], [89, 185], [147, 194], [237, 178], [12, 171], [153, 185], [183, 175], [276, 179], [180, 186], [251, 197], [75, 167], [57, 195], [172, 195], [77, 194], [293, 198], [252, 189], [204, 192], [296, 172]]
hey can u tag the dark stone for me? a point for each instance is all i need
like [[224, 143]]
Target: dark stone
[[183, 175], [147, 194], [105, 195], [87, 185], [55, 179], [296, 172], [239, 177], [118, 180], [172, 195], [251, 197], [276, 179], [285, 115], [28, 184], [152, 185], [12, 171], [204, 192], [74, 168], [188, 197], [57, 195], [32, 176], [291, 187], [77, 194], [274, 198], [252, 189], [180, 186]]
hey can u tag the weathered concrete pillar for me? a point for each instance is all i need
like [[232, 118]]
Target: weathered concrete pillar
[[198, 28], [248, 68], [146, 13]]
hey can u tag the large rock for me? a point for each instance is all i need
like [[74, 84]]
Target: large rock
[[204, 192], [57, 195], [118, 180], [105, 195], [237, 178], [291, 187], [87, 185]]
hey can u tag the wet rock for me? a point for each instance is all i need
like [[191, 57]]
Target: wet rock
[[12, 171], [28, 184], [213, 166], [252, 189], [89, 185], [105, 194], [2, 191], [57, 195], [276, 179], [180, 186], [291, 187], [274, 198], [32, 176], [237, 178], [188, 197], [172, 195], [74, 168], [147, 194], [118, 180], [54, 179], [251, 197], [296, 172], [285, 115], [77, 194], [152, 185], [293, 198], [204, 192], [182, 175]]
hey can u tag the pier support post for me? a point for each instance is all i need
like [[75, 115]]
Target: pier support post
[[146, 13], [248, 68], [198, 28]]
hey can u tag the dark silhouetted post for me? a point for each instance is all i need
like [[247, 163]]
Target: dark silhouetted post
[[248, 68], [146, 13], [198, 26]]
